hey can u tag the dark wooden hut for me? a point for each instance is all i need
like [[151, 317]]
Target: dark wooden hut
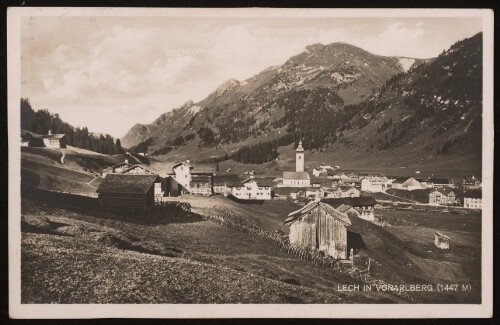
[[124, 192], [318, 226]]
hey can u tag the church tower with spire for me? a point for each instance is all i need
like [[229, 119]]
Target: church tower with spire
[[299, 158]]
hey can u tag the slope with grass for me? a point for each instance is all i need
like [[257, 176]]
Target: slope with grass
[[75, 257], [72, 170], [403, 253]]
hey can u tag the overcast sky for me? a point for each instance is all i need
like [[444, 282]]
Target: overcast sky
[[108, 73]]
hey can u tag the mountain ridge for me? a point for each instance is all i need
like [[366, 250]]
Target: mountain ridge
[[344, 101], [296, 72]]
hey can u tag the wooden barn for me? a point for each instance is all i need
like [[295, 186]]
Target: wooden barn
[[318, 226], [124, 192], [201, 184], [441, 240]]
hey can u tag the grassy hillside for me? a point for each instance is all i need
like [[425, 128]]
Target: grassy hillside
[[403, 252], [78, 172], [171, 258]]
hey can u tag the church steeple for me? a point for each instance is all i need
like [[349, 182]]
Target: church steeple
[[299, 158]]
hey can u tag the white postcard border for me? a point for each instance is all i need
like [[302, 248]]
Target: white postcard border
[[18, 310]]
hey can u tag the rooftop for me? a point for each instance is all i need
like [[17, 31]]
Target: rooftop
[[351, 201], [296, 175], [126, 183], [473, 194], [317, 204]]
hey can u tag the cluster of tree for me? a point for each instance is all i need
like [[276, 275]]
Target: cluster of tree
[[169, 146], [315, 115], [236, 126], [41, 121], [179, 141], [451, 143], [162, 151], [142, 146], [207, 136], [261, 152]]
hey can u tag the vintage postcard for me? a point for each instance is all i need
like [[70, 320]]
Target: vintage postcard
[[250, 163]]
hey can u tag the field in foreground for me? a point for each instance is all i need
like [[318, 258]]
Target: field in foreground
[[178, 257], [403, 251], [74, 257]]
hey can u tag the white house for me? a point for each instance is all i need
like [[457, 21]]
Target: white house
[[250, 189], [182, 174], [321, 170], [473, 199], [54, 140], [317, 172], [444, 196], [375, 183]]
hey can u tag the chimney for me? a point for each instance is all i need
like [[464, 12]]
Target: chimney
[[188, 161], [126, 161], [50, 132]]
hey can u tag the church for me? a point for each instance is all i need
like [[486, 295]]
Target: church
[[298, 178]]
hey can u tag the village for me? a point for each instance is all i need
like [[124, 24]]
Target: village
[[328, 199]]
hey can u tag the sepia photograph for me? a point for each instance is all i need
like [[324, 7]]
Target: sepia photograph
[[250, 162]]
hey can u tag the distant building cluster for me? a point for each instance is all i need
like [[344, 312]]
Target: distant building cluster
[[31, 139], [342, 191]]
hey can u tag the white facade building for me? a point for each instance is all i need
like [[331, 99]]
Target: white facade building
[[251, 190], [182, 174], [375, 183]]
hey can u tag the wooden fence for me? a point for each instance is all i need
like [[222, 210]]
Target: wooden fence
[[228, 218]]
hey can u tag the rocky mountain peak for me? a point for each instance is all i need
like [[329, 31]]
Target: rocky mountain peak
[[227, 85]]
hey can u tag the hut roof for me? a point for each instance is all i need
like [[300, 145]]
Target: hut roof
[[182, 163], [226, 179], [442, 235], [320, 180], [29, 135], [287, 190], [444, 191], [122, 164], [134, 167], [474, 194], [438, 180], [52, 136], [351, 201], [127, 184], [344, 218], [295, 175], [344, 207]]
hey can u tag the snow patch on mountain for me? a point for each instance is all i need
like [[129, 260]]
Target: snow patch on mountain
[[194, 109], [406, 63]]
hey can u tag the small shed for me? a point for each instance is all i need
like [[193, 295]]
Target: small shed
[[125, 192], [318, 226], [441, 240]]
